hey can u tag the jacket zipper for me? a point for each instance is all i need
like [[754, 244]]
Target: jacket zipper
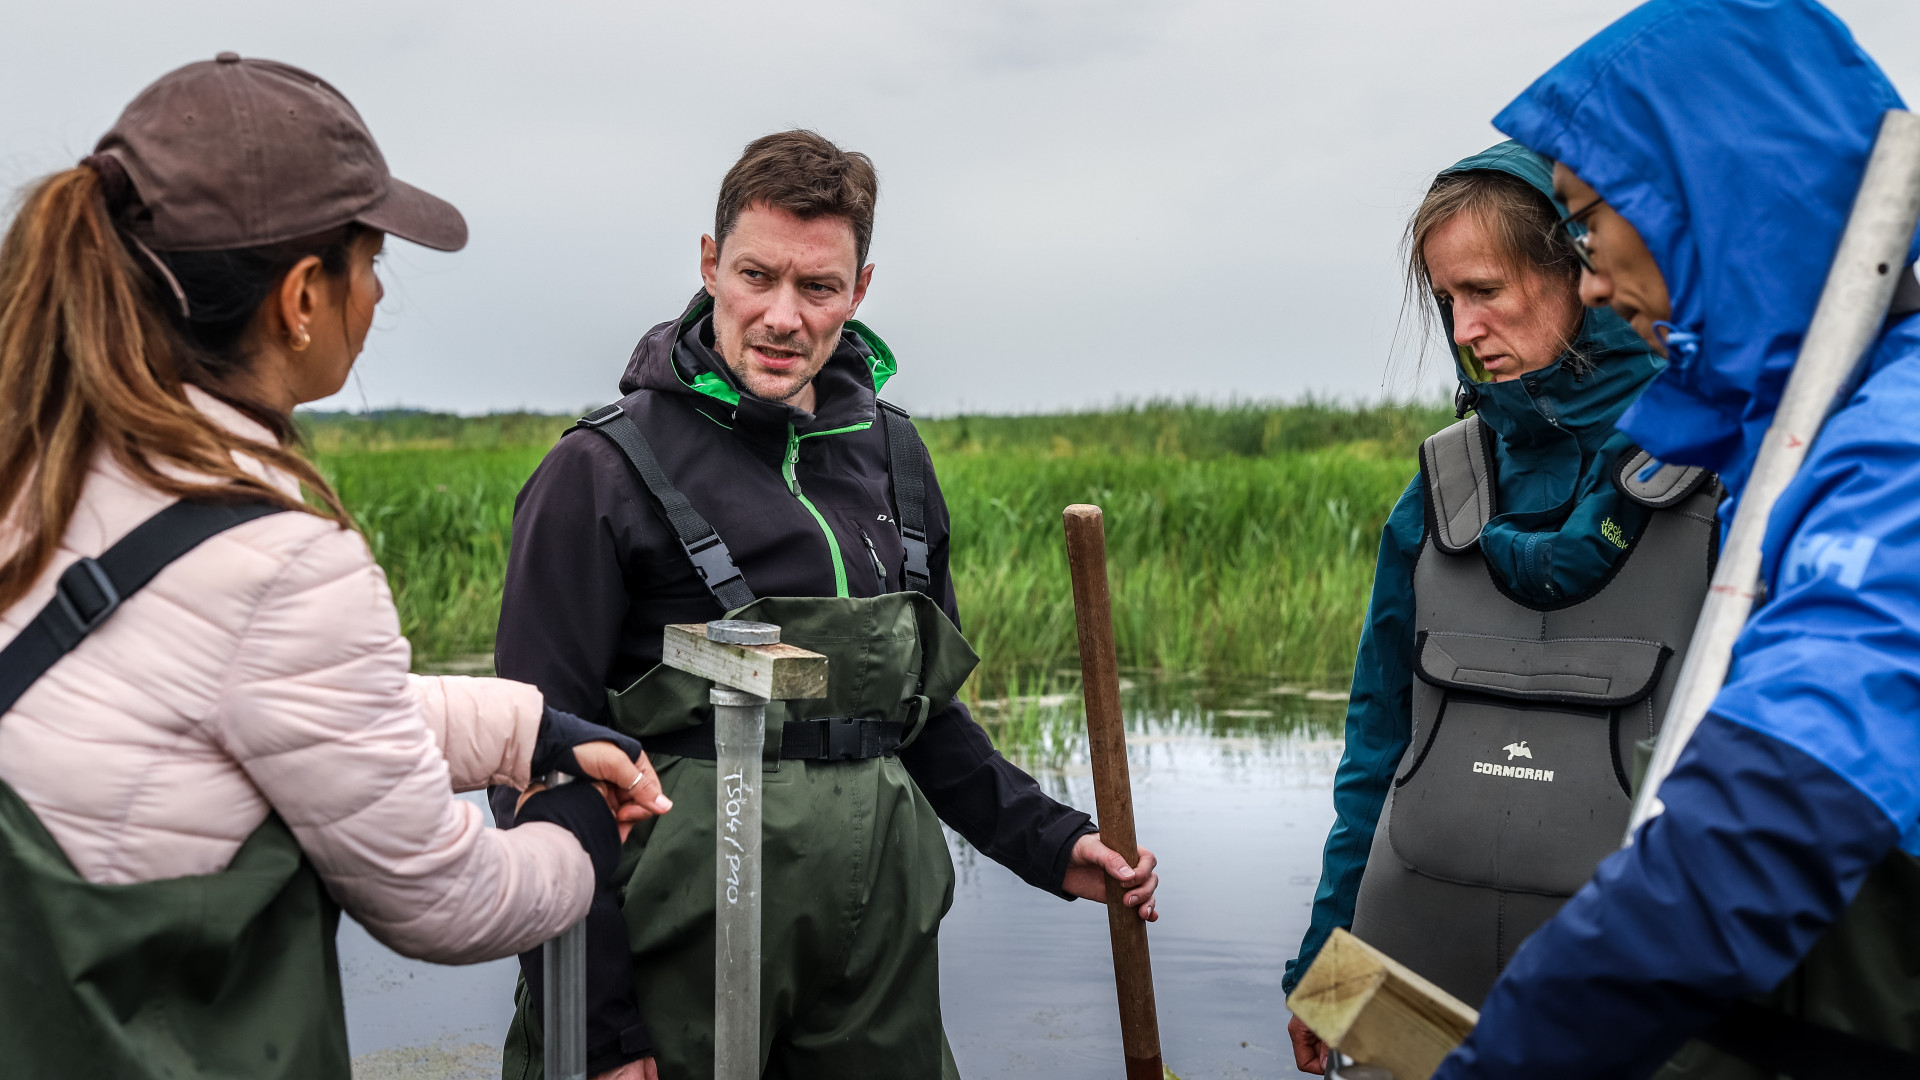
[[793, 485], [879, 568]]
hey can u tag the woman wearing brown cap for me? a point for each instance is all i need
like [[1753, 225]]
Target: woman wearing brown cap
[[209, 737]]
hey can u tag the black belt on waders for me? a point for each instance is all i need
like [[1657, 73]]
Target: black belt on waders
[[219, 976], [825, 738]]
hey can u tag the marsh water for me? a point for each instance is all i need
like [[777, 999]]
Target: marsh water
[[1232, 790]]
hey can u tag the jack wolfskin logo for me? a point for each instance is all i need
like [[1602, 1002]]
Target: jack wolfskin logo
[[1842, 556], [1518, 772], [1613, 534], [1517, 749]]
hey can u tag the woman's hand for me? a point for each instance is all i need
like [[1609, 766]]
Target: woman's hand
[[1092, 861], [1309, 1051], [631, 788]]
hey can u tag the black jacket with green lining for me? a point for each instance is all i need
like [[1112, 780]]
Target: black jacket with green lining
[[802, 500]]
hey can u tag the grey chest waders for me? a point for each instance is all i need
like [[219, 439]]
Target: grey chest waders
[[1525, 719], [853, 870], [223, 976]]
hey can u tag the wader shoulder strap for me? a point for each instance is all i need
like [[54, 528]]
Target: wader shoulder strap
[[1457, 466], [703, 545], [92, 589], [1654, 484], [907, 465]]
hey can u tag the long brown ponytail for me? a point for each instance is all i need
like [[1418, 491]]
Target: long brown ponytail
[[90, 363]]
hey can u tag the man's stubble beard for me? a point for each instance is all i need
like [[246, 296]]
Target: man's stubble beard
[[792, 343]]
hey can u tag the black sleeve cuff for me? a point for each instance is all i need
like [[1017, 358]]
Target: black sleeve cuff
[[561, 731], [632, 1044], [1065, 832], [501, 799], [580, 809], [616, 1034]]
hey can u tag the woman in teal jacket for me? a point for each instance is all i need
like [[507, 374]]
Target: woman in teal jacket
[[1547, 382]]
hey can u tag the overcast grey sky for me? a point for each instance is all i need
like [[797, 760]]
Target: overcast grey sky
[[1080, 201]]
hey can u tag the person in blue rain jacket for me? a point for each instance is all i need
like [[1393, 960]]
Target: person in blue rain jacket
[[1770, 909], [1555, 452]]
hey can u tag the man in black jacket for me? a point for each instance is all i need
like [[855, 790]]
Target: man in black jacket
[[760, 404]]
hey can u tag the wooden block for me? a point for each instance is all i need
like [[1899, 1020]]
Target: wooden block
[[1377, 1011], [780, 672]]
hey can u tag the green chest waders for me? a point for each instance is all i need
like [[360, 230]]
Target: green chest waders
[[230, 975], [1850, 1011], [856, 875], [1514, 785]]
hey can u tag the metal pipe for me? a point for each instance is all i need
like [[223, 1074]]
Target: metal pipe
[[563, 1012], [1853, 308], [739, 737]]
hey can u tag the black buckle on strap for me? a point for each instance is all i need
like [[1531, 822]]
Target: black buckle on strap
[[915, 543], [714, 562], [845, 738], [839, 738], [599, 416], [84, 612]]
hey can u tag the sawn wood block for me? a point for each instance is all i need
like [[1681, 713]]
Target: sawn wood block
[[1377, 1011], [778, 672]]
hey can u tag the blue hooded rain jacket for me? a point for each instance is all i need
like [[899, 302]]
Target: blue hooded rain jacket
[[1554, 458], [1733, 134]]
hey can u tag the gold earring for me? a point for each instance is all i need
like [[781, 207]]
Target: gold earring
[[299, 339]]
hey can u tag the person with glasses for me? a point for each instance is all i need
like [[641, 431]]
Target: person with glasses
[[1536, 587], [1763, 923]]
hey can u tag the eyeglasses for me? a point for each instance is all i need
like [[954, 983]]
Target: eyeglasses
[[1578, 233]]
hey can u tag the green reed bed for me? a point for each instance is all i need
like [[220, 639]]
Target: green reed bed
[[1241, 537], [1230, 566], [439, 522]]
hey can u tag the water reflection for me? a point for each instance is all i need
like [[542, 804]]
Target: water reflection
[[1232, 790]]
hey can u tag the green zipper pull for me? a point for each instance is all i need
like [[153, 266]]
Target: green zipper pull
[[793, 459], [826, 530]]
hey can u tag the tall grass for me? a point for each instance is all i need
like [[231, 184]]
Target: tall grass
[[439, 522], [1188, 430], [1232, 566], [1240, 538]]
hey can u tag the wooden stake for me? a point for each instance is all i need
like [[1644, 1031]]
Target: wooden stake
[[782, 672], [1377, 1011], [1112, 792]]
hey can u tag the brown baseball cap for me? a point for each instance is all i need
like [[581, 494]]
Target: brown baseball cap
[[237, 153]]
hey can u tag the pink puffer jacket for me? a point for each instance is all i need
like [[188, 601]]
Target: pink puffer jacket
[[265, 670]]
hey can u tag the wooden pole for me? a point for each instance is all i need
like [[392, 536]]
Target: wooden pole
[[1112, 792]]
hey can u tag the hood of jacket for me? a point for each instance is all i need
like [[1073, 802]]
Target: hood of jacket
[[678, 357], [1556, 445], [1732, 134]]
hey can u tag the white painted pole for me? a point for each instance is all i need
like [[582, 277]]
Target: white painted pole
[[739, 727], [1853, 307], [734, 655], [563, 1012]]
